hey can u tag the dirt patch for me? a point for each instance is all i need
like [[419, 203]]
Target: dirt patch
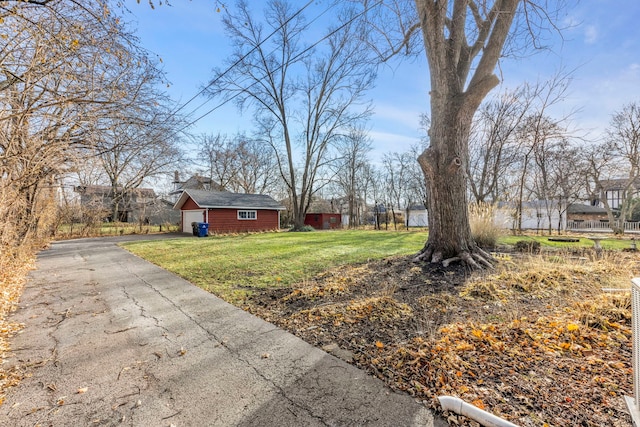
[[536, 342]]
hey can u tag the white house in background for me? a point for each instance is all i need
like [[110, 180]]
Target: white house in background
[[416, 216], [536, 215]]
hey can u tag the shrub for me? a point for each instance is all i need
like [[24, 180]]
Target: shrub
[[483, 228], [303, 228], [530, 246]]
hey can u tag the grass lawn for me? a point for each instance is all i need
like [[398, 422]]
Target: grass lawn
[[229, 266], [536, 341], [609, 242]]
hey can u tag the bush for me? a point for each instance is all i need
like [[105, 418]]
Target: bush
[[530, 246], [483, 229], [303, 228]]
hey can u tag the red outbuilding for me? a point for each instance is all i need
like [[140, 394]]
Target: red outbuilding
[[227, 212], [323, 221]]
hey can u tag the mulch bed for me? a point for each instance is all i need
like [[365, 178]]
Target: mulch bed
[[538, 348]]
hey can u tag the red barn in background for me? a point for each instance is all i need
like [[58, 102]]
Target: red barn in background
[[323, 221]]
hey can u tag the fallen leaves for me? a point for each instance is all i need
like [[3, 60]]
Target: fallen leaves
[[13, 273], [534, 343]]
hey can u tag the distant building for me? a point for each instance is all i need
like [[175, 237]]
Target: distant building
[[614, 192], [323, 221], [194, 182], [416, 216], [580, 212], [535, 215], [227, 212], [131, 202]]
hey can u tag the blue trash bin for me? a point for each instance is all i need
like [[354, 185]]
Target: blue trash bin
[[203, 229]]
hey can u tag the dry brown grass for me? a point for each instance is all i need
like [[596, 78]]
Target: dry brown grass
[[14, 268], [483, 228]]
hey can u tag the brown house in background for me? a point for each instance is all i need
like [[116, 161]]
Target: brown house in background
[[578, 212], [134, 204]]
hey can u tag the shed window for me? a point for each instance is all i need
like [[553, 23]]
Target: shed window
[[247, 215]]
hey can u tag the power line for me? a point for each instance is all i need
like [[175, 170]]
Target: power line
[[236, 63], [244, 57], [367, 9]]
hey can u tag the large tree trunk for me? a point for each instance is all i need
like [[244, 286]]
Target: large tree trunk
[[458, 86], [298, 220], [444, 165]]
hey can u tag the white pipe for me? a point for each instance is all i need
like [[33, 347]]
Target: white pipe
[[459, 406]]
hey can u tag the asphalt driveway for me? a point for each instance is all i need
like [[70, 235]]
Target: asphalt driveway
[[111, 339]]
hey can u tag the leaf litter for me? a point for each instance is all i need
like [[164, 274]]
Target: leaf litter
[[537, 341], [13, 272]]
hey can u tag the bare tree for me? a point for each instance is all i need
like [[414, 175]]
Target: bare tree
[[548, 144], [239, 164], [492, 146], [218, 156], [416, 190], [302, 96], [255, 167], [567, 170], [404, 182], [396, 181], [538, 135], [615, 166], [381, 196], [67, 66], [57, 77], [351, 174], [130, 154], [463, 41]]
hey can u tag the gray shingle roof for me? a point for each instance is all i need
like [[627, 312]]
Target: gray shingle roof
[[417, 208], [576, 208], [224, 199]]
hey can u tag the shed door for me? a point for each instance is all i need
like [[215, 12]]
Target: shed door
[[191, 216]]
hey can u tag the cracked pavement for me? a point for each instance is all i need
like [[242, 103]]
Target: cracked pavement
[[113, 340]]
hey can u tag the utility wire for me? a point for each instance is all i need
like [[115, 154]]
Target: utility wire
[[236, 63], [367, 9], [215, 80]]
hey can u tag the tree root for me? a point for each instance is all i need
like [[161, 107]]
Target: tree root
[[423, 255], [476, 259], [448, 261]]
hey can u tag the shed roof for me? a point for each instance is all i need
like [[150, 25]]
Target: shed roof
[[417, 208], [227, 200]]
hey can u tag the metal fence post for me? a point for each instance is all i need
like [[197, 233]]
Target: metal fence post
[[633, 404]]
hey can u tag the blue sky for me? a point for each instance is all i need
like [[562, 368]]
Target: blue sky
[[601, 43]]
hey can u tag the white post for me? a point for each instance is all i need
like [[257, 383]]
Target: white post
[[633, 404]]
